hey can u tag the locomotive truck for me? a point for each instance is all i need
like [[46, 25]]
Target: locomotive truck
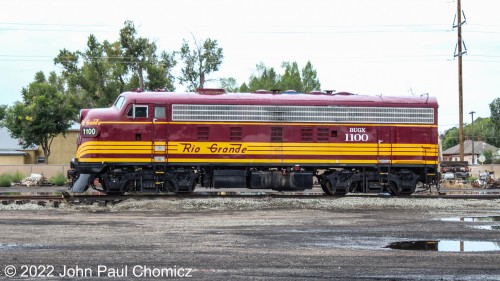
[[174, 141]]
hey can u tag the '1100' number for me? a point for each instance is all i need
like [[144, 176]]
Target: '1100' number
[[356, 137], [89, 132]]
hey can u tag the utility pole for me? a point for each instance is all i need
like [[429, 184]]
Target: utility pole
[[472, 124], [459, 54]]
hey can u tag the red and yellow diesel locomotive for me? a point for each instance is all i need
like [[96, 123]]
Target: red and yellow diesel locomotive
[[170, 142]]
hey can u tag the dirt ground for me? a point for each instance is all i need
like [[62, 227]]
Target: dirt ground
[[241, 239]]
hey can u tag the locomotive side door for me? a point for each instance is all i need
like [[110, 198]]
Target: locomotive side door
[[385, 141], [159, 141]]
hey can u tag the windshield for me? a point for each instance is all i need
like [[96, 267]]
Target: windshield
[[120, 102]]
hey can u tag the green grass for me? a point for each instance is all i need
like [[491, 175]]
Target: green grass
[[5, 180], [58, 179]]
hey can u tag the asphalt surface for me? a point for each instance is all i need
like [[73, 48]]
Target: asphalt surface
[[345, 242]]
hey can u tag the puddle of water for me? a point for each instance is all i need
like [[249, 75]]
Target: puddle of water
[[446, 246], [474, 219], [13, 246], [488, 227]]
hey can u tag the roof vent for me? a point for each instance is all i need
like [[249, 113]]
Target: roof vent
[[213, 91], [316, 93], [344, 94], [293, 92], [263, 92]]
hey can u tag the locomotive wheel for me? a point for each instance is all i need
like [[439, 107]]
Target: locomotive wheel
[[191, 188], [327, 188], [168, 187], [393, 189]]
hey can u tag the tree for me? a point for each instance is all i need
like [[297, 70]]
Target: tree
[[265, 79], [160, 72], [200, 62], [495, 112], [3, 109], [244, 88], [483, 129], [96, 76], [488, 156], [43, 114], [137, 50], [89, 77], [291, 79], [310, 81], [229, 84], [450, 138]]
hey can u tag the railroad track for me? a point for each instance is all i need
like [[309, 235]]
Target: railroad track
[[56, 199]]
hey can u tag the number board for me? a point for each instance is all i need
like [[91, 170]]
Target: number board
[[89, 132]]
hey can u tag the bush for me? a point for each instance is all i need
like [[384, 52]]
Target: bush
[[17, 176], [5, 180], [58, 179]]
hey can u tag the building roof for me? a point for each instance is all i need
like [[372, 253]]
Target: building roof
[[12, 153], [8, 143], [479, 147]]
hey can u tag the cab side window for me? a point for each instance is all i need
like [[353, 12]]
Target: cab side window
[[159, 112], [138, 111]]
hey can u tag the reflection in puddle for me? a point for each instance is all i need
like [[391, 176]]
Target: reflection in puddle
[[474, 219], [446, 246]]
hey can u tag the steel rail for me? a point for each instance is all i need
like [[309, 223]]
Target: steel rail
[[83, 198]]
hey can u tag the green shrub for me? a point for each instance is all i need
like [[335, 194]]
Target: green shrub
[[5, 180], [58, 179], [17, 176]]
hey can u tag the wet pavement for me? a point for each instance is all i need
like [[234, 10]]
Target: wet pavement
[[286, 243]]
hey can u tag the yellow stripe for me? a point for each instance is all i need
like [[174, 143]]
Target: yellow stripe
[[264, 144], [126, 122], [414, 162]]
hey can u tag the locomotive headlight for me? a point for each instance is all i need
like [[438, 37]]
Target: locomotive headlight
[[90, 132]]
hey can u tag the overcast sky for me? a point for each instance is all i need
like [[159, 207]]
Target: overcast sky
[[388, 47]]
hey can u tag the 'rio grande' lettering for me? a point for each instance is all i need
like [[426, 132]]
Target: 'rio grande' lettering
[[214, 148], [189, 148], [233, 148]]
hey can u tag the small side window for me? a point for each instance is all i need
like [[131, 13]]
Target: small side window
[[138, 111], [160, 112]]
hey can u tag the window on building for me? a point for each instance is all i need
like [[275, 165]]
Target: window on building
[[40, 160]]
